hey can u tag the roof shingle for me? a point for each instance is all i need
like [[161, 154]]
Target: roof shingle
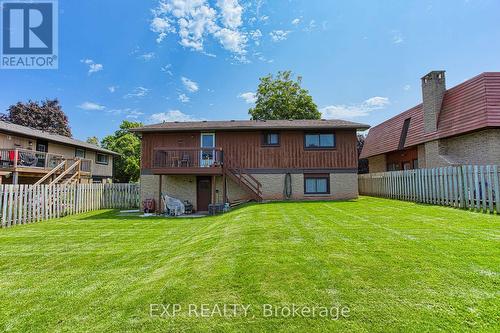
[[251, 125], [35, 133], [469, 106]]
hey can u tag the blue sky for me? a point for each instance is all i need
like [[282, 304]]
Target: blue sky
[[186, 60]]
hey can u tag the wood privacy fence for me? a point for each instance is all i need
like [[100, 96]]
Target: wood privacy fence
[[468, 187], [21, 204]]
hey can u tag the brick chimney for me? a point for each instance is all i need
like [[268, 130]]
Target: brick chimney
[[433, 88]]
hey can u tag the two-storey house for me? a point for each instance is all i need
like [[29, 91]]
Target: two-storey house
[[231, 161]]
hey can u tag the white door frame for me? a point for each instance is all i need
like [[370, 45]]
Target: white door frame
[[207, 162]]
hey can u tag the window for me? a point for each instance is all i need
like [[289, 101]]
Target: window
[[80, 152], [101, 159], [316, 184], [404, 134], [393, 167], [271, 139], [320, 140], [415, 164]]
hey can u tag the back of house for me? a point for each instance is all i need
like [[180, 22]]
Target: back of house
[[213, 162], [31, 156]]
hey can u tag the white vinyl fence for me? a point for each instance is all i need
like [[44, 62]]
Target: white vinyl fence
[[21, 204], [469, 187]]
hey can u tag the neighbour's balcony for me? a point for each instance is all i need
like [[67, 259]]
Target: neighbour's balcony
[[24, 160], [187, 161]]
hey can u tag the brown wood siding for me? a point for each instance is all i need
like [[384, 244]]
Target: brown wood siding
[[151, 141], [402, 156], [244, 149]]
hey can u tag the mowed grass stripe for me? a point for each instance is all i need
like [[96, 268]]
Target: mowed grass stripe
[[398, 266]]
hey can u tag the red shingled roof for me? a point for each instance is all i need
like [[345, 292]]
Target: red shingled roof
[[469, 106]]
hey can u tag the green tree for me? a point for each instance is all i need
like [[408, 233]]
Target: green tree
[[45, 115], [93, 140], [283, 98], [128, 145]]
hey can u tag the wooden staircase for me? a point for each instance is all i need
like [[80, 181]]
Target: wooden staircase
[[245, 181], [66, 172]]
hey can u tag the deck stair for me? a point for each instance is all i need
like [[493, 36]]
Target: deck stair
[[245, 181]]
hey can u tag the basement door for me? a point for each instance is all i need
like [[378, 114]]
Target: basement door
[[203, 193]]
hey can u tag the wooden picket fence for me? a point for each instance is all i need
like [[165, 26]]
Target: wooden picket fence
[[468, 187], [21, 204]]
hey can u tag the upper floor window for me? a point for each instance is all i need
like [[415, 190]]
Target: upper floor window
[[80, 152], [102, 159], [271, 139], [320, 140]]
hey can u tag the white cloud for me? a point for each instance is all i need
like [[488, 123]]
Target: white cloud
[[232, 40], [189, 84], [296, 21], [91, 106], [162, 27], [355, 110], [279, 35], [133, 114], [406, 87], [147, 56], [184, 98], [112, 89], [256, 35], [248, 97], [137, 92], [311, 26], [377, 102], [231, 13], [167, 69], [195, 20], [93, 67], [171, 115], [397, 37], [127, 112]]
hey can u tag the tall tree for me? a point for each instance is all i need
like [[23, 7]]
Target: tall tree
[[93, 140], [362, 162], [283, 98], [45, 115], [128, 145]]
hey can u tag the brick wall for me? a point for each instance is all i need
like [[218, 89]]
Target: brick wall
[[377, 163], [480, 148], [342, 186]]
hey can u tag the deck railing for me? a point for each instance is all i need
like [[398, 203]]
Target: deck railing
[[173, 158], [24, 158], [86, 165]]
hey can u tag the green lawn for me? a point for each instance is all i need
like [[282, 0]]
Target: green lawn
[[395, 266]]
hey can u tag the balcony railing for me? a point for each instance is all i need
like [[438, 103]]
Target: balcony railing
[[177, 158], [24, 158], [29, 159]]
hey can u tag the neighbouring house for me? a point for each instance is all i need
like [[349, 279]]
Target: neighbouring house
[[232, 161], [31, 156], [451, 127]]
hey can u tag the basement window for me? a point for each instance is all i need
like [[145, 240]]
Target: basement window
[[316, 184]]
